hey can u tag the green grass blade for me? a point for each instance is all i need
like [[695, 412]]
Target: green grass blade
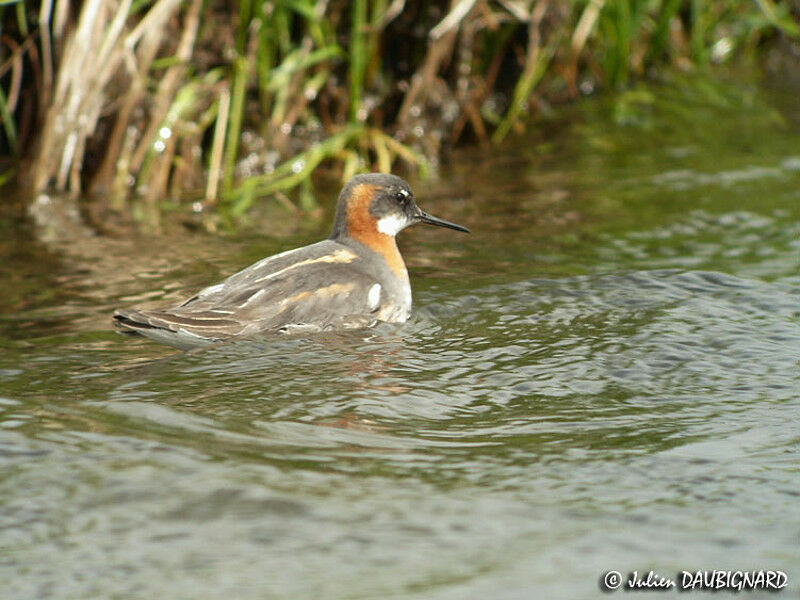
[[358, 58], [523, 91], [241, 71], [8, 124], [779, 17], [290, 173], [22, 19]]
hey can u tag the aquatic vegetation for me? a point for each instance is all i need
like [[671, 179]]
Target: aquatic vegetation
[[134, 102]]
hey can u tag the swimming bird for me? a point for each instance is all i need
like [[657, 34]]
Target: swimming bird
[[353, 279]]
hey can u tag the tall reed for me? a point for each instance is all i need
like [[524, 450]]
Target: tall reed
[[130, 102]]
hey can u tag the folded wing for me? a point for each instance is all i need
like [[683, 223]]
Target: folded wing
[[314, 288]]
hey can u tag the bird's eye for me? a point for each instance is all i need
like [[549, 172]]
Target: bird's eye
[[402, 197]]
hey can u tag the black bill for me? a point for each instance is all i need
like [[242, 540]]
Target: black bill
[[423, 217]]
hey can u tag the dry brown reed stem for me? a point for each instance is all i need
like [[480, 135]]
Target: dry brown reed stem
[[155, 177], [158, 184], [585, 26], [77, 93], [457, 13], [16, 74], [215, 170], [286, 113], [93, 55], [46, 87], [392, 12], [18, 50], [520, 10], [15, 63], [471, 109], [466, 93], [534, 37], [169, 83], [121, 161], [138, 70], [60, 18], [580, 35], [439, 50]]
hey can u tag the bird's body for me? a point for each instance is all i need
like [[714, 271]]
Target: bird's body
[[354, 279]]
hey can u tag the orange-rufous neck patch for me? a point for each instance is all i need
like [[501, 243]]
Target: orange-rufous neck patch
[[362, 227]]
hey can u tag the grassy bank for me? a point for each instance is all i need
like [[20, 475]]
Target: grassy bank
[[216, 105]]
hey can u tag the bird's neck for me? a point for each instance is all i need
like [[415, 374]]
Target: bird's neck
[[356, 223], [384, 245]]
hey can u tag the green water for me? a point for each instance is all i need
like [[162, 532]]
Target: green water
[[604, 375]]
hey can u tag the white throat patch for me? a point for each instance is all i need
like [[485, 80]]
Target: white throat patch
[[392, 224]]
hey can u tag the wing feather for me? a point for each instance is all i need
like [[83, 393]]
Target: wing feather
[[314, 288]]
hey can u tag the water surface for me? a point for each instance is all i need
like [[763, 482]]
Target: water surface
[[603, 376]]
